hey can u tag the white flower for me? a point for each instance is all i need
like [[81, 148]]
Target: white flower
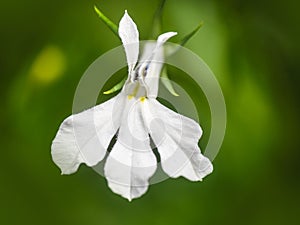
[[137, 118]]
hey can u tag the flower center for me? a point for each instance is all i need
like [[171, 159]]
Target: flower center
[[136, 90]]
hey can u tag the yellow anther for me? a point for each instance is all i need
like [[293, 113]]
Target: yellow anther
[[130, 97], [142, 99]]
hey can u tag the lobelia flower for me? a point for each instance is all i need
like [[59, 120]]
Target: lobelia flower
[[138, 119]]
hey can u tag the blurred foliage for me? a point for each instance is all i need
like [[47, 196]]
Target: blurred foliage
[[252, 47]]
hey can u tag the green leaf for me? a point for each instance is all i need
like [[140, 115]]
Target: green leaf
[[167, 82], [172, 50], [157, 20], [190, 35], [116, 87], [111, 25]]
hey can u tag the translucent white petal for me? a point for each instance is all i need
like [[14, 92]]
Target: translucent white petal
[[129, 35], [156, 63], [176, 138], [131, 162], [84, 137], [164, 37]]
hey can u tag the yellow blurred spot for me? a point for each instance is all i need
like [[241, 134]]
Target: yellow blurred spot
[[142, 99], [129, 97], [49, 65]]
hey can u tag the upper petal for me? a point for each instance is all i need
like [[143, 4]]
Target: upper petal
[[131, 162], [84, 137], [129, 35], [176, 138], [156, 63]]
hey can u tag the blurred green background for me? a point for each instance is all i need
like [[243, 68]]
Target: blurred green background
[[252, 47]]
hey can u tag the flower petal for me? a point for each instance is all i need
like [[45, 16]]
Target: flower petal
[[129, 35], [176, 138], [156, 63], [131, 162], [84, 137]]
